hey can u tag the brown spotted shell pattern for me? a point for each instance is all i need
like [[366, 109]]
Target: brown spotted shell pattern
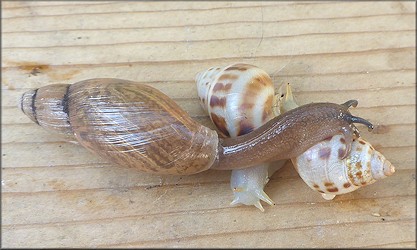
[[323, 168]]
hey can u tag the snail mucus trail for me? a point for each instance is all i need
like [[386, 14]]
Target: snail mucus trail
[[135, 125]]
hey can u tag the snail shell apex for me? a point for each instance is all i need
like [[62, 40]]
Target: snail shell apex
[[238, 97], [47, 106]]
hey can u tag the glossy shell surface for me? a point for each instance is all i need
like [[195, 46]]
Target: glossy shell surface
[[238, 97], [323, 169]]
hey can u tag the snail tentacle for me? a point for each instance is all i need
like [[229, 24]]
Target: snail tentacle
[[350, 103], [355, 119]]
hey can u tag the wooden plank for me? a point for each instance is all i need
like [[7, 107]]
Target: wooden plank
[[311, 236], [200, 17], [208, 32], [92, 204], [283, 69], [171, 229], [57, 194], [216, 49]]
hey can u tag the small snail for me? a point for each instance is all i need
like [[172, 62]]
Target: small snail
[[324, 167], [247, 102], [135, 125]]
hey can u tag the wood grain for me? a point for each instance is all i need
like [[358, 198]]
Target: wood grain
[[57, 194]]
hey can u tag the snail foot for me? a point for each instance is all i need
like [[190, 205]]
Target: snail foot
[[256, 204], [328, 196], [250, 197]]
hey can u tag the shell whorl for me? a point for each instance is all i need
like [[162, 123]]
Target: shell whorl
[[127, 123], [322, 168], [238, 97], [48, 107]]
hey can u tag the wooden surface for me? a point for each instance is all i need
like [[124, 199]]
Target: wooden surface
[[56, 194]]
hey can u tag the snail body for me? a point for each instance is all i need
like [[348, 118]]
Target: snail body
[[135, 125], [326, 168], [239, 98]]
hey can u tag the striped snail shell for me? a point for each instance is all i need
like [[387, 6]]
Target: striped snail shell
[[240, 98], [323, 168]]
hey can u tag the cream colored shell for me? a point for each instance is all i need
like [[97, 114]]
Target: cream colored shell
[[240, 98], [322, 168]]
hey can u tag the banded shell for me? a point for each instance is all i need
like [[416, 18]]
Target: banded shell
[[240, 98], [323, 168]]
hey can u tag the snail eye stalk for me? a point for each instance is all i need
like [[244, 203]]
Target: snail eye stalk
[[349, 103], [355, 119]]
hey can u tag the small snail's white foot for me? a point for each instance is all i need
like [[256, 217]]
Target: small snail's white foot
[[251, 197], [256, 204], [247, 186], [328, 196]]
